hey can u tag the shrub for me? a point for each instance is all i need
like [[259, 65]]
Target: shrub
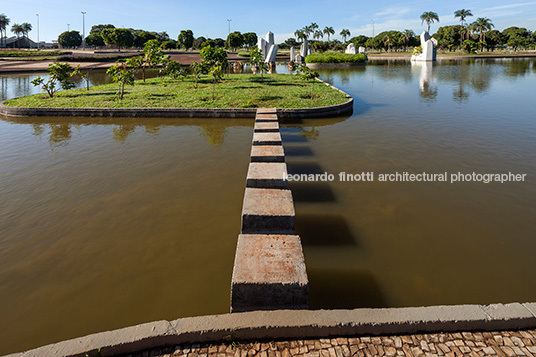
[[334, 57]]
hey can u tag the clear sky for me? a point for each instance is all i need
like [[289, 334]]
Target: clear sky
[[208, 18]]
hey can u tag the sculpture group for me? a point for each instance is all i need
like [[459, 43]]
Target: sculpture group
[[428, 45]]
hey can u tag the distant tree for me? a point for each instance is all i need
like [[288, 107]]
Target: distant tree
[[494, 38], [328, 31], [26, 28], [99, 28], [141, 38], [481, 26], [198, 42], [289, 42], [119, 37], [408, 35], [345, 33], [95, 40], [517, 37], [162, 36], [250, 39], [448, 37], [70, 39], [169, 45], [219, 42], [234, 40], [4, 21], [429, 17], [318, 34], [360, 40], [17, 30], [300, 34], [186, 39], [462, 14]]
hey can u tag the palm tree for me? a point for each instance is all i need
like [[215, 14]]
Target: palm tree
[[429, 17], [481, 26], [26, 27], [462, 14], [17, 30], [345, 33], [408, 34], [300, 34], [318, 34], [314, 26], [328, 30], [4, 21]]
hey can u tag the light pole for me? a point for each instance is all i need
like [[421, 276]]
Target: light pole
[[373, 32], [229, 21], [68, 27], [38, 44], [83, 30]]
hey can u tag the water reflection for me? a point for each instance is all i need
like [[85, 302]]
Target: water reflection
[[426, 79]]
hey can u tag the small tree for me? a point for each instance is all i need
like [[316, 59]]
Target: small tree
[[217, 74], [59, 73], [122, 75], [307, 74], [152, 57], [172, 69], [79, 73], [197, 70], [186, 39]]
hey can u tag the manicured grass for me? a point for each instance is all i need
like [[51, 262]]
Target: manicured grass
[[27, 53], [235, 91], [334, 57]]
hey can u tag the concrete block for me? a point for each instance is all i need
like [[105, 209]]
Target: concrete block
[[268, 211], [269, 273], [267, 138], [267, 175], [267, 153], [266, 117], [266, 110], [269, 126]]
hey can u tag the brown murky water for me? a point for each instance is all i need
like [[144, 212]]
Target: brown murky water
[[109, 223]]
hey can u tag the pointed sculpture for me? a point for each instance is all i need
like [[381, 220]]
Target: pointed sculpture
[[428, 45]]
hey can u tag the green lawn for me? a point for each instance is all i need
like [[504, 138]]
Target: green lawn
[[32, 53], [235, 91]]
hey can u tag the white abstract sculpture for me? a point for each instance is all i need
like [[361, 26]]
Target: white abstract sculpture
[[428, 45], [292, 54], [350, 49], [304, 49], [361, 50], [268, 48]]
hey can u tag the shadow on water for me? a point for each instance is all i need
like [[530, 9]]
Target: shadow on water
[[293, 138], [312, 192], [343, 289], [298, 151], [324, 230], [298, 168]]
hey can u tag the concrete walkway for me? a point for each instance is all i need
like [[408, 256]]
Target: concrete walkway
[[503, 343]]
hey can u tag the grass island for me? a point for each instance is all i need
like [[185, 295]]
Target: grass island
[[234, 91]]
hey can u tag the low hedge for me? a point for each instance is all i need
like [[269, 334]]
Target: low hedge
[[335, 57]]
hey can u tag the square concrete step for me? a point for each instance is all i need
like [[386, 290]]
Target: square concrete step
[[268, 211], [267, 153], [267, 138], [266, 110], [267, 175], [269, 273], [265, 127], [266, 118]]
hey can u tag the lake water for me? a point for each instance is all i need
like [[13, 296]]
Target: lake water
[[106, 223]]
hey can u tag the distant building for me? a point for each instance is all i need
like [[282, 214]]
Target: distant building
[[21, 42]]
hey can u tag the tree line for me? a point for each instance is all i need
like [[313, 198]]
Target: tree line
[[18, 29]]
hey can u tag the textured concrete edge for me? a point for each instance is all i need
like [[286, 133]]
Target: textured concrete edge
[[285, 113], [289, 324]]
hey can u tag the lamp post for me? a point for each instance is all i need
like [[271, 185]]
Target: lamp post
[[229, 21], [373, 32], [83, 30], [68, 27], [38, 43]]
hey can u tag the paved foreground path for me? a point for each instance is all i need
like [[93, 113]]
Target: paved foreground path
[[503, 343]]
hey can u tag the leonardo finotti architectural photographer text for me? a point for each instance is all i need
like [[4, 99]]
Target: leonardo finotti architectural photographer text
[[410, 177]]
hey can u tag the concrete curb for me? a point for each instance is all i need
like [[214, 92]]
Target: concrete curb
[[335, 65], [284, 113], [290, 324]]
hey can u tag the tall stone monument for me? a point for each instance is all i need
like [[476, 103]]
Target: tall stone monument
[[268, 48], [429, 50]]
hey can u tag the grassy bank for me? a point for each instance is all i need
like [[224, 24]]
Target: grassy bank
[[334, 57], [27, 53], [235, 91]]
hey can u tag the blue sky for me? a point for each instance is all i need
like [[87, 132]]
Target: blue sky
[[209, 17]]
